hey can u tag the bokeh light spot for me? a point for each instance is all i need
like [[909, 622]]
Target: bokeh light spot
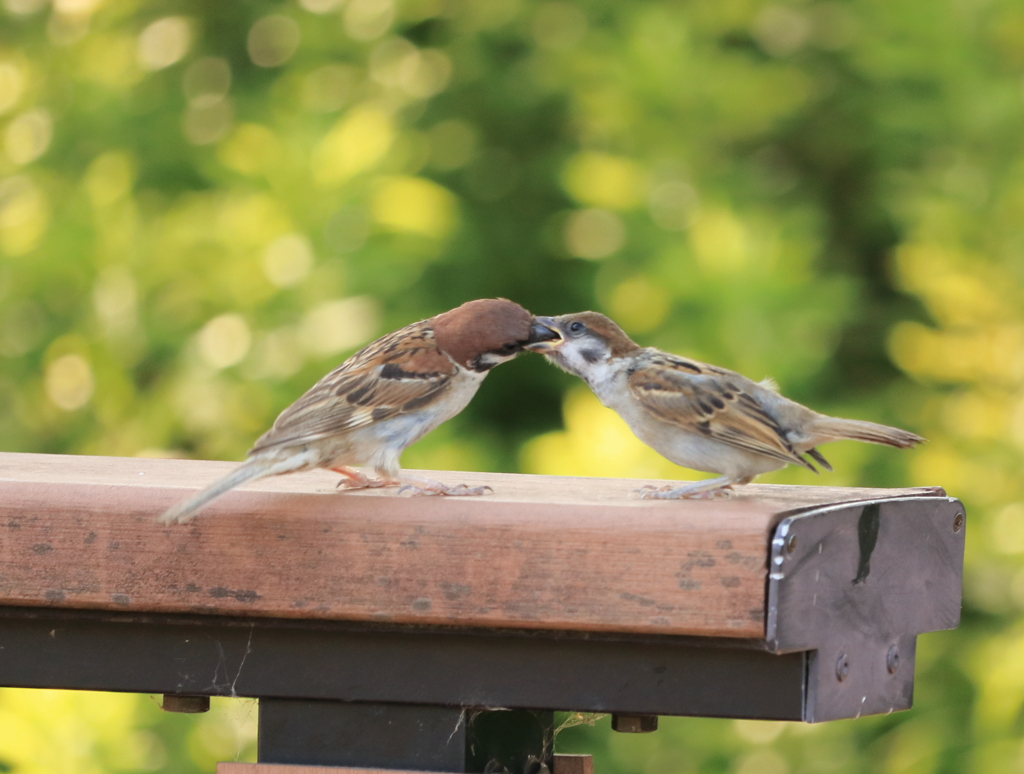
[[250, 149], [109, 178], [781, 30], [357, 142], [594, 233], [368, 19], [638, 304], [329, 88], [719, 241], [414, 205], [115, 298], [287, 260], [603, 180], [273, 40], [207, 119], [559, 25], [24, 214], [24, 7], [12, 85], [321, 6], [208, 76], [425, 73], [224, 341], [164, 42], [338, 325], [672, 204], [69, 382], [28, 136]]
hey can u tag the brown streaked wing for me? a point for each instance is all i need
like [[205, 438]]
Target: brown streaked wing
[[709, 401], [398, 373]]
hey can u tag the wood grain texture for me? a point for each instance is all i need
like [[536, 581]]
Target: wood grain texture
[[572, 764], [541, 552]]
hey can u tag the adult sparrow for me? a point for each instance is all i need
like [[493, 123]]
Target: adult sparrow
[[382, 399], [697, 415]]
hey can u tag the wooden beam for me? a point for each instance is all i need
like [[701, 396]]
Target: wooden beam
[[541, 552]]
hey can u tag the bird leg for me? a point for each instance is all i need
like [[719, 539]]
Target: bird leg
[[696, 490], [427, 486], [353, 479]]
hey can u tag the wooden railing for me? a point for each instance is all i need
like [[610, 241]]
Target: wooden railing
[[439, 634]]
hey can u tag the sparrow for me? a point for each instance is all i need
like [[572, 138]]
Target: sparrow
[[382, 399], [697, 415]]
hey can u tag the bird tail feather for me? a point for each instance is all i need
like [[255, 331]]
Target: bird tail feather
[[835, 429], [257, 467]]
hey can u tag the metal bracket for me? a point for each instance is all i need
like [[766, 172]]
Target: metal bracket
[[856, 584]]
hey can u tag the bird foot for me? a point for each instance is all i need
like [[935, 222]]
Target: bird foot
[[688, 492], [353, 479], [427, 487]]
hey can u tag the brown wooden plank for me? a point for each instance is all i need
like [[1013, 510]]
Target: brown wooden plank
[[572, 764], [541, 552]]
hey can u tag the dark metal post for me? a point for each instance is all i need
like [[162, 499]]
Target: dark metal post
[[340, 733], [404, 736], [516, 741]]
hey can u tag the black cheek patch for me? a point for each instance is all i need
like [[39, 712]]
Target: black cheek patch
[[590, 355]]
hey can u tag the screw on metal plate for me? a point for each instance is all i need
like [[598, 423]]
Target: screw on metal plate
[[958, 521], [892, 660], [177, 702], [791, 543], [634, 724], [842, 667]]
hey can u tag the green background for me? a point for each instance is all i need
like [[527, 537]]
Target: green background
[[205, 206]]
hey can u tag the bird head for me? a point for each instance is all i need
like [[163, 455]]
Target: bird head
[[481, 334], [578, 342]]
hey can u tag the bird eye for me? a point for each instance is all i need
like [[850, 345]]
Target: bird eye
[[577, 327]]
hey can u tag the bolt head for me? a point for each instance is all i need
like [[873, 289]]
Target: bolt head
[[892, 659], [634, 724], [958, 521], [842, 667], [185, 703], [791, 544]]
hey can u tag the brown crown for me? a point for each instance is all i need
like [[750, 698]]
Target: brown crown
[[484, 325], [618, 342]]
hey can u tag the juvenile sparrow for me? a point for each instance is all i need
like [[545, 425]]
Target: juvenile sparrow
[[382, 399], [698, 415]]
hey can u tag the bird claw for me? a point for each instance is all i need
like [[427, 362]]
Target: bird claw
[[365, 483], [649, 492], [430, 488]]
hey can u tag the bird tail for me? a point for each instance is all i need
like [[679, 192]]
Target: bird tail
[[257, 467], [827, 429]]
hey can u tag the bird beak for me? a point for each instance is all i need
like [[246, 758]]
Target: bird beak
[[544, 336]]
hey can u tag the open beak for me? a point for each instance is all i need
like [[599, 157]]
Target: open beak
[[544, 336]]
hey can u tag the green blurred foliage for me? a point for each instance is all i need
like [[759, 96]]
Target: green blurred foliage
[[205, 206]]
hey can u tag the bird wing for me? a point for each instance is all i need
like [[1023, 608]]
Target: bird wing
[[710, 401], [399, 373]]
